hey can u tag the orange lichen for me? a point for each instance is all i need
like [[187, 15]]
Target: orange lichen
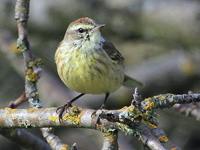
[[173, 148], [163, 139], [7, 108], [111, 139]]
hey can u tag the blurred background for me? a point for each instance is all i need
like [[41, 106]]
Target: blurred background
[[160, 43]]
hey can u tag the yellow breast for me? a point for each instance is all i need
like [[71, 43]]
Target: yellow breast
[[89, 72]]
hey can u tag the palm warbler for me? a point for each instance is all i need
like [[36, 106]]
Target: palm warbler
[[89, 64]]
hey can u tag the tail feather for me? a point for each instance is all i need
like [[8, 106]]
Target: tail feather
[[130, 82]]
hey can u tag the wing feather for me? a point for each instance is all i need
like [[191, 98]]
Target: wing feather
[[112, 52]]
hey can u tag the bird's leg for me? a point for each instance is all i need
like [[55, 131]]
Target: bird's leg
[[68, 104], [103, 105]]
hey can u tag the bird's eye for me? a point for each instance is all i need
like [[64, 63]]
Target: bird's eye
[[80, 30]]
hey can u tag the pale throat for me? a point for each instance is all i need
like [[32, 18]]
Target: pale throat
[[94, 42]]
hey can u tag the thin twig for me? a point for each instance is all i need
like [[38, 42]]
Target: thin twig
[[18, 101], [53, 140], [110, 140], [188, 111], [31, 78]]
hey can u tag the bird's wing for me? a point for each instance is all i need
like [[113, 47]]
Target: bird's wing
[[112, 52]]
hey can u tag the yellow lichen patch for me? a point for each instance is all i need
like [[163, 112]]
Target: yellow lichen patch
[[163, 139], [144, 122], [13, 110], [162, 97], [53, 118], [7, 108], [46, 109], [157, 96], [37, 93], [99, 127], [150, 105], [151, 126], [31, 64], [7, 113], [31, 109], [124, 108], [144, 115], [14, 118], [131, 108], [73, 115], [75, 109], [173, 148], [65, 147], [31, 75], [74, 119]]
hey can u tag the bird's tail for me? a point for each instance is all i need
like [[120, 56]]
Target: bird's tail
[[130, 82]]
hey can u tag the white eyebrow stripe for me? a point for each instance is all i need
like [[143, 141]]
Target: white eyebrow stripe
[[80, 26]]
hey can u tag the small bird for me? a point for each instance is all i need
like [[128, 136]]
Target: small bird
[[88, 63]]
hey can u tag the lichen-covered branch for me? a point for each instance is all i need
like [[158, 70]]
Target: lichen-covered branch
[[53, 140], [110, 140], [31, 78], [168, 100], [155, 138], [80, 117]]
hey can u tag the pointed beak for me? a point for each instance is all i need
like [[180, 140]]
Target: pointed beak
[[98, 27]]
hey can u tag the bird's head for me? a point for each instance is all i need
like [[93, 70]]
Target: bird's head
[[82, 31]]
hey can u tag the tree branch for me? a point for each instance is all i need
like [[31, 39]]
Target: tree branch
[[110, 140], [25, 139], [31, 78], [54, 141]]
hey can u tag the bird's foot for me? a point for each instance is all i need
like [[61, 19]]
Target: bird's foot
[[62, 109]]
